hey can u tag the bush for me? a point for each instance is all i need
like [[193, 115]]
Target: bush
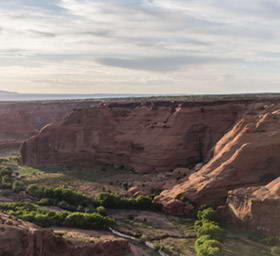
[[6, 171], [207, 214], [209, 233], [46, 218], [60, 194], [109, 200], [88, 220], [205, 246], [101, 210], [35, 190], [5, 192], [18, 186], [212, 229], [113, 201], [275, 251]]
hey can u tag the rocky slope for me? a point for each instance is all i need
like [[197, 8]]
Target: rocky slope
[[20, 238], [20, 120], [149, 136], [246, 155], [258, 207]]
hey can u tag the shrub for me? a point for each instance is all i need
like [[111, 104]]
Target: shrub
[[205, 246], [275, 251], [18, 186], [113, 201], [44, 202], [6, 192], [6, 171], [101, 210], [212, 229], [35, 190], [207, 214], [209, 233], [88, 220], [60, 194], [109, 200], [46, 218]]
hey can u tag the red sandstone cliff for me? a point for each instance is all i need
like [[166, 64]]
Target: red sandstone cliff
[[246, 155], [258, 207], [21, 120], [19, 238], [152, 136]]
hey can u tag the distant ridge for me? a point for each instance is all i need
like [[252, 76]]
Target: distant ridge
[[4, 93]]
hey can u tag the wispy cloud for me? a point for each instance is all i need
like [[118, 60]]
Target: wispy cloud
[[139, 45]]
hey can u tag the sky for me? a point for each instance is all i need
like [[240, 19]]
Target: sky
[[140, 46]]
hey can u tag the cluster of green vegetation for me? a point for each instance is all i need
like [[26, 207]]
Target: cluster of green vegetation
[[46, 218], [114, 201], [210, 234], [72, 200], [9, 180], [63, 198]]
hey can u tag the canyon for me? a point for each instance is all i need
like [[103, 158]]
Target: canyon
[[226, 144], [187, 151], [21, 120]]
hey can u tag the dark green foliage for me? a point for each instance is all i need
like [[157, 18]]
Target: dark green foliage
[[6, 182], [45, 218], [207, 214], [35, 190], [6, 171], [88, 220], [66, 198], [212, 229], [205, 246], [101, 210], [75, 201], [275, 251], [18, 186], [113, 201], [210, 234]]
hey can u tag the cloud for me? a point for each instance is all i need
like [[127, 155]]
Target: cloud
[[161, 64], [42, 33], [139, 45]]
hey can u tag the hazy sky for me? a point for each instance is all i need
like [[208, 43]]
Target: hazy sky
[[141, 46]]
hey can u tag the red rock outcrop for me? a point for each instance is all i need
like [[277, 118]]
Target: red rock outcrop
[[258, 207], [147, 136], [248, 154], [20, 238], [21, 120]]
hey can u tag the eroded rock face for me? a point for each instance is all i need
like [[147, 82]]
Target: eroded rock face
[[20, 238], [21, 120], [246, 155], [258, 207], [155, 136]]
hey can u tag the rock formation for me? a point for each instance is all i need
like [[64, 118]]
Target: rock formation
[[148, 137], [246, 155], [258, 207], [21, 120], [19, 238]]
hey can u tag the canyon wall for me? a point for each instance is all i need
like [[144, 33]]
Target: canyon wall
[[20, 238], [248, 154], [145, 136], [21, 120], [258, 207], [237, 143]]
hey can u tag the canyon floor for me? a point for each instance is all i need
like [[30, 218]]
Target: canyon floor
[[161, 159], [173, 235]]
